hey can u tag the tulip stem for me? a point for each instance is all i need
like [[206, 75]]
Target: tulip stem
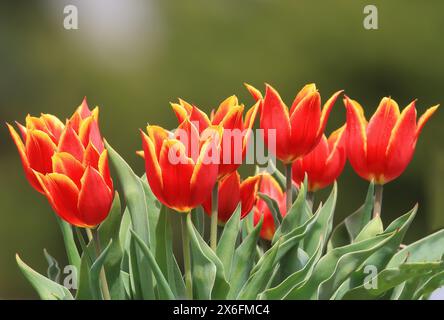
[[214, 213], [94, 235], [186, 256], [310, 199], [288, 189], [378, 200]]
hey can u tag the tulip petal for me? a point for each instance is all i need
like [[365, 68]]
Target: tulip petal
[[379, 130], [304, 122], [39, 149], [224, 108], [305, 91], [257, 95], [177, 170], [89, 132], [95, 198], [91, 156], [229, 196], [152, 167], [157, 135], [424, 118], [326, 109], [70, 142], [54, 126], [356, 138], [66, 164], [401, 145], [30, 176], [63, 195], [104, 169], [248, 193], [83, 109], [188, 135], [274, 116]]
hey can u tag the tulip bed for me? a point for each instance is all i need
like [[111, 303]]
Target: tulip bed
[[272, 242]]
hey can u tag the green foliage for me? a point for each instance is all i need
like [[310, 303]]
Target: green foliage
[[306, 259]]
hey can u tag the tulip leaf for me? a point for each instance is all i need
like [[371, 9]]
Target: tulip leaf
[[84, 291], [243, 261], [334, 267], [221, 287], [53, 267], [46, 288], [94, 272], [134, 194], [346, 231], [294, 280], [70, 244], [274, 208], [198, 217], [387, 279], [258, 280], [153, 209], [109, 229], [430, 285], [162, 284], [227, 242], [322, 224], [164, 253], [373, 228]]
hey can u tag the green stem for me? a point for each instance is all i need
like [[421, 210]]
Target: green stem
[[310, 199], [214, 213], [288, 188], [187, 256], [94, 235], [378, 200]]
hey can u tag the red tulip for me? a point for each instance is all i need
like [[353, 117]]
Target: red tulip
[[297, 130], [231, 193], [68, 164], [236, 131], [269, 186], [381, 149], [324, 164], [181, 167]]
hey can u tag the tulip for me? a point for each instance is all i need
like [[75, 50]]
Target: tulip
[[324, 164], [68, 164], [236, 131], [381, 149], [297, 130], [231, 193], [269, 186], [181, 167]]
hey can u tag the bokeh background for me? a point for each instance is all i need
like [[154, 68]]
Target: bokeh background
[[132, 57]]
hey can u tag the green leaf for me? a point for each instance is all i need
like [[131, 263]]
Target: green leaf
[[322, 224], [162, 284], [294, 280], [53, 267], [273, 206], [258, 280], [165, 255], [219, 287], [346, 231], [84, 291], [372, 229], [153, 210], [227, 242], [389, 278], [94, 272], [434, 282], [333, 268], [198, 217], [109, 230], [70, 244], [243, 261], [46, 288], [134, 194]]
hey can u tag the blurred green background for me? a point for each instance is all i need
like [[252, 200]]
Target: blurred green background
[[132, 57]]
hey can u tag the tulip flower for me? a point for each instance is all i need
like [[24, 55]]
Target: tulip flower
[[324, 164], [236, 131], [297, 130], [269, 186], [381, 149], [68, 164], [181, 167], [231, 193]]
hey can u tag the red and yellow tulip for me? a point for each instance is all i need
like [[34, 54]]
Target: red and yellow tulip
[[269, 186], [298, 129], [181, 167], [323, 164], [232, 192], [381, 149], [236, 131], [68, 164]]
